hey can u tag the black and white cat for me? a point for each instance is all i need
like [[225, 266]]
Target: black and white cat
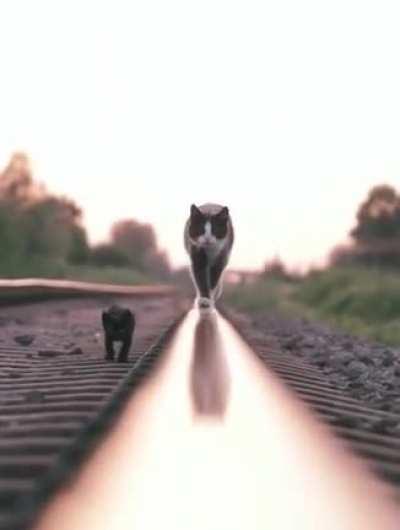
[[208, 241]]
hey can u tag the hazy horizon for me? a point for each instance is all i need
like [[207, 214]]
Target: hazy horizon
[[286, 113]]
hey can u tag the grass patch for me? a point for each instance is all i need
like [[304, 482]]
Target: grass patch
[[373, 296], [362, 301]]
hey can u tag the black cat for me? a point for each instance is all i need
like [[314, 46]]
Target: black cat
[[208, 241], [119, 325]]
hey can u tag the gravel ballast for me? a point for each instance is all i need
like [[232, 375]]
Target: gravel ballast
[[365, 370]]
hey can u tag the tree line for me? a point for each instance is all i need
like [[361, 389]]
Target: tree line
[[37, 223], [374, 240]]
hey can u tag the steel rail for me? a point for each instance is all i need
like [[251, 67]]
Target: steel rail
[[213, 441], [29, 289]]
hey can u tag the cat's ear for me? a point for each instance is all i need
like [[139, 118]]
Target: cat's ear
[[105, 317], [194, 211], [127, 316], [224, 213]]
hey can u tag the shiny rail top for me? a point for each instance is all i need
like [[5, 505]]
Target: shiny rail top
[[7, 286], [213, 441]]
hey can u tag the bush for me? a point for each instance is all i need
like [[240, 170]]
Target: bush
[[107, 254], [359, 300], [368, 294]]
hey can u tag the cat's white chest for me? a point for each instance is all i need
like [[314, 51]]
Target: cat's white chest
[[211, 245], [214, 250]]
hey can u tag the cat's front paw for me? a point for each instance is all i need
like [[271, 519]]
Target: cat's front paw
[[204, 303]]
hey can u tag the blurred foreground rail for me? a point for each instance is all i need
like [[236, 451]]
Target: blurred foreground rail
[[213, 440]]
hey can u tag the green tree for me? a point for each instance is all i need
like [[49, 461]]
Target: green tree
[[34, 222], [79, 250], [157, 264], [275, 268], [135, 240], [107, 254], [16, 182], [11, 237], [49, 226], [138, 242], [376, 235], [378, 217], [16, 190]]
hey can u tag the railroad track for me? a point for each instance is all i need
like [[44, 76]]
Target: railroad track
[[55, 412], [27, 289], [58, 396], [213, 440]]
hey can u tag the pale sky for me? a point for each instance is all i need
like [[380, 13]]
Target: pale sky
[[285, 111]]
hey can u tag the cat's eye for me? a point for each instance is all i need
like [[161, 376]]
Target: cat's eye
[[219, 228], [196, 228]]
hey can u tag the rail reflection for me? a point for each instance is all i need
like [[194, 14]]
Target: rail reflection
[[209, 373]]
